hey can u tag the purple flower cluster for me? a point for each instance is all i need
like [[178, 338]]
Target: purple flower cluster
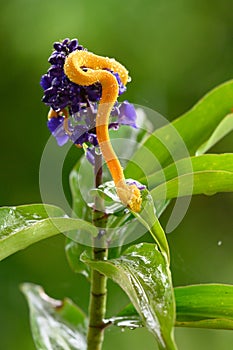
[[81, 126], [59, 91], [81, 102]]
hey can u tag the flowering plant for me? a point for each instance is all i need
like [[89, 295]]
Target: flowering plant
[[121, 206]]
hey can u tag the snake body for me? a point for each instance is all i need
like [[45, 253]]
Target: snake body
[[95, 72]]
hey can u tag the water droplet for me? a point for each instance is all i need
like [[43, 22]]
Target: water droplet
[[219, 243], [209, 192], [98, 151], [36, 216], [126, 322]]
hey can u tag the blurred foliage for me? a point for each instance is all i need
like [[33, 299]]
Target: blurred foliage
[[175, 52]]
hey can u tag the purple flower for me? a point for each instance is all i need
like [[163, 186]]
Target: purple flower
[[90, 155], [78, 103], [136, 183], [81, 134], [127, 114], [122, 87], [56, 127], [82, 124]]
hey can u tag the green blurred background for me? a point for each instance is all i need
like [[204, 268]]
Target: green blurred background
[[176, 50]]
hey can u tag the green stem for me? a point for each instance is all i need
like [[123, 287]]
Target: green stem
[[98, 293]]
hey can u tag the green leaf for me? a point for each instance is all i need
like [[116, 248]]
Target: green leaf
[[81, 210], [205, 306], [147, 216], [143, 273], [208, 162], [211, 174], [80, 207], [73, 252], [55, 324], [107, 191], [224, 128], [184, 135], [199, 306], [121, 226], [27, 224]]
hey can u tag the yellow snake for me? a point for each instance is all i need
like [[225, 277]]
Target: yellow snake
[[96, 72]]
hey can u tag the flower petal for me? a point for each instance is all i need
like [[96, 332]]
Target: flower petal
[[56, 127], [127, 115]]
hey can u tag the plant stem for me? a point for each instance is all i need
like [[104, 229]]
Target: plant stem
[[98, 293]]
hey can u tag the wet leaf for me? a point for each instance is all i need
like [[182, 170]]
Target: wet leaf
[[147, 216], [27, 224], [143, 273], [199, 306], [55, 324]]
